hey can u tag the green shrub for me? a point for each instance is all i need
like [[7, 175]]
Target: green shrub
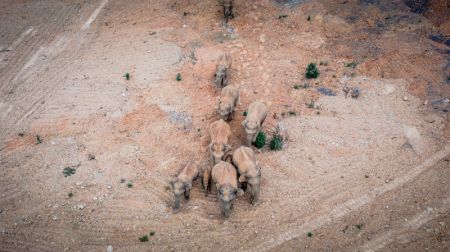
[[152, 233], [244, 113], [127, 76], [130, 184], [38, 139], [312, 71], [311, 104], [178, 77], [143, 238], [276, 143], [309, 18], [69, 171], [70, 195], [260, 140], [309, 234], [352, 64]]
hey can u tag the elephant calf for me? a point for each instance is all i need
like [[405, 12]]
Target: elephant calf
[[225, 177], [256, 114], [249, 170], [182, 184], [229, 98]]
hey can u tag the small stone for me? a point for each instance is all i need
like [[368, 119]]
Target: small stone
[[262, 38], [387, 181], [54, 218], [429, 209], [425, 102], [80, 206], [109, 186], [109, 248], [441, 223], [405, 98]]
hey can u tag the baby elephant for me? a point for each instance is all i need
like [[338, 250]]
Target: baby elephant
[[225, 177], [182, 184], [222, 74], [228, 100], [220, 132], [249, 170], [256, 114]]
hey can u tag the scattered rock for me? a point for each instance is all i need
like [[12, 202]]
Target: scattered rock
[[109, 248], [414, 138], [326, 91], [437, 38], [354, 91], [405, 98], [441, 104], [81, 206]]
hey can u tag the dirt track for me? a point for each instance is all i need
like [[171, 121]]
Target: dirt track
[[363, 174]]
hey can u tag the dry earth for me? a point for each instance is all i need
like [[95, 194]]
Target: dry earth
[[363, 174]]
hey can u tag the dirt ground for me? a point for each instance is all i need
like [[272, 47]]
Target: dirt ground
[[364, 174]]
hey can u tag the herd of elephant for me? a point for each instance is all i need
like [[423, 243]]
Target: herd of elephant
[[232, 172]]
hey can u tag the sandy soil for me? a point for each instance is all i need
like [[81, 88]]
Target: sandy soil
[[363, 174]]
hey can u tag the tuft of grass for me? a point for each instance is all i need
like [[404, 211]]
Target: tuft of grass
[[260, 140], [292, 113], [21, 134], [282, 16], [143, 238], [276, 143], [309, 234], [127, 76], [244, 113], [323, 63], [334, 76], [352, 64], [152, 233], [178, 77], [38, 140], [70, 194], [359, 226], [300, 86], [311, 71], [122, 180], [311, 105], [129, 184], [309, 18], [69, 171]]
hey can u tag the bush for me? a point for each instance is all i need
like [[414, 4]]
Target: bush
[[244, 113], [127, 76], [143, 238], [38, 139], [69, 171], [312, 71], [178, 77], [352, 64], [276, 143], [260, 140]]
